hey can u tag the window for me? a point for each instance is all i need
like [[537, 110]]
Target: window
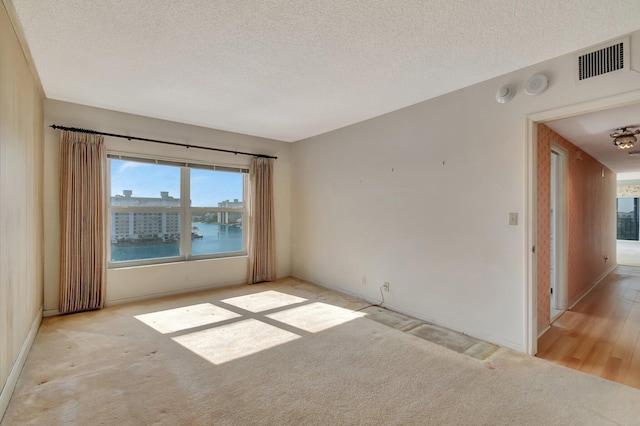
[[164, 211], [627, 219]]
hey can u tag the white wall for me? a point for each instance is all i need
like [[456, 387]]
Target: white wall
[[140, 282], [420, 198], [21, 239]]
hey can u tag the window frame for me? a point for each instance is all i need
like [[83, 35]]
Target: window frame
[[185, 210]]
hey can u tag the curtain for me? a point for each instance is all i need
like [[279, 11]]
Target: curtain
[[261, 245], [83, 162]]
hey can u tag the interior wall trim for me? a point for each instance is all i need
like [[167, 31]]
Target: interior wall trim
[[12, 380], [593, 285]]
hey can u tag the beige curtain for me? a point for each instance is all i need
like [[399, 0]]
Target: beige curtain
[[262, 245], [83, 162]]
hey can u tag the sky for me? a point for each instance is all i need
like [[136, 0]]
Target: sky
[[208, 187]]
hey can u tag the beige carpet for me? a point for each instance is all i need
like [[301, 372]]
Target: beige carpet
[[286, 353]]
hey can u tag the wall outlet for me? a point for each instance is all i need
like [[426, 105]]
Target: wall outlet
[[385, 286], [364, 280]]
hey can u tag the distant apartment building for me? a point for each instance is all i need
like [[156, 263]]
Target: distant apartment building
[[148, 225], [232, 218]]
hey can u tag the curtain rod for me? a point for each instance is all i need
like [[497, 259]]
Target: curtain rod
[[95, 132]]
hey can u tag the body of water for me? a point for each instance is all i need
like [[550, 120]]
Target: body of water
[[216, 238]]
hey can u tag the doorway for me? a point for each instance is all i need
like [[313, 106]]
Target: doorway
[[618, 108]]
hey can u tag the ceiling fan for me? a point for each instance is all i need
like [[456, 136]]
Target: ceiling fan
[[624, 137]]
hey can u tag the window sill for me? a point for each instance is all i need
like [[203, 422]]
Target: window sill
[[173, 261]]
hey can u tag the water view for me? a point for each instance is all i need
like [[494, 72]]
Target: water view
[[208, 238]]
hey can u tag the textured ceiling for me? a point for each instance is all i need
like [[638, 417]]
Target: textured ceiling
[[291, 69], [591, 133]]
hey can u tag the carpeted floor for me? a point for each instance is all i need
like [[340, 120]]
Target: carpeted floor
[[286, 353]]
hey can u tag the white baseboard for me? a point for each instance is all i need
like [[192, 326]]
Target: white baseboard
[[114, 302], [593, 285], [544, 330], [419, 316], [55, 312], [50, 313], [10, 384]]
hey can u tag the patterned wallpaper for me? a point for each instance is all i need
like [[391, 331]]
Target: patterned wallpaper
[[591, 213], [544, 219], [628, 190]]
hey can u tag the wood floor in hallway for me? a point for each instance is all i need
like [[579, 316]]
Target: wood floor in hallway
[[601, 334]]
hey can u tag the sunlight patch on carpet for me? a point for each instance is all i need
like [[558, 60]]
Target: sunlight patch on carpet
[[178, 319], [264, 301], [230, 342], [315, 317]]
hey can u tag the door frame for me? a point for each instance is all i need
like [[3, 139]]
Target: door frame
[[531, 202], [562, 247]]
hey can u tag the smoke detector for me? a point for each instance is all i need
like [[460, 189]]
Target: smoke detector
[[505, 94]]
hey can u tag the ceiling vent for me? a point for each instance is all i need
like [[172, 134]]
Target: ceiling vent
[[603, 59]]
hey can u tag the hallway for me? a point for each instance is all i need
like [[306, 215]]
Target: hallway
[[601, 334]]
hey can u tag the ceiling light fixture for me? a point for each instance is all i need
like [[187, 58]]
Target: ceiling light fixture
[[624, 137]]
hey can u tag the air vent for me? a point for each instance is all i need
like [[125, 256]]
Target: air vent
[[603, 59]]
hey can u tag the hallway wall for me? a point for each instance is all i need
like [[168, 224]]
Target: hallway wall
[[591, 211]]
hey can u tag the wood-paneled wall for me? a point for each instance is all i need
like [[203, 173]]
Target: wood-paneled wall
[[21, 206]]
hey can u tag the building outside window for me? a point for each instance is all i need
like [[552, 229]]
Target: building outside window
[[164, 211]]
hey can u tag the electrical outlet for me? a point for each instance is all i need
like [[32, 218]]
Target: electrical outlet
[[385, 286], [364, 280]]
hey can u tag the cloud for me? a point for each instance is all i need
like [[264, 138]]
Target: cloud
[[128, 165]]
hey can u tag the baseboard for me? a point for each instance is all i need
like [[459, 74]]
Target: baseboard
[[455, 327], [50, 313], [593, 285], [342, 290], [114, 302], [55, 312], [547, 328], [10, 384], [469, 331]]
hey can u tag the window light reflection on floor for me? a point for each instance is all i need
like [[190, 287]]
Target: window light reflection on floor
[[315, 317], [186, 317], [219, 335], [264, 301], [233, 341]]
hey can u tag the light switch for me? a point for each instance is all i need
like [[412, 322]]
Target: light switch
[[513, 218]]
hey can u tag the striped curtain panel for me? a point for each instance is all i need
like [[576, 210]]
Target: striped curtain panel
[[262, 237], [83, 162]]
